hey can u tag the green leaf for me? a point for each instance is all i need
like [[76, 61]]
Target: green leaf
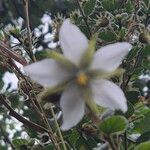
[[107, 36], [146, 50], [129, 6], [89, 7], [146, 64], [132, 96], [143, 146], [121, 33], [73, 137], [19, 142], [144, 125], [130, 110], [113, 125], [132, 53], [82, 144], [144, 137], [41, 55], [146, 2], [110, 5]]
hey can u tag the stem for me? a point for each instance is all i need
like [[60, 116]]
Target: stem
[[136, 63], [125, 141], [42, 113], [38, 107], [110, 143], [6, 51], [14, 114], [26, 8], [58, 128]]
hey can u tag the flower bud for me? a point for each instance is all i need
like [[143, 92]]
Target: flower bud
[[104, 22], [144, 38]]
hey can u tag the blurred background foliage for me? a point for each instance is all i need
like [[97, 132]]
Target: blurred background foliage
[[114, 21]]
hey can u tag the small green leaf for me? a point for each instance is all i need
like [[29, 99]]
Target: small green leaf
[[41, 55], [89, 7], [19, 142], [113, 125], [143, 146], [107, 36]]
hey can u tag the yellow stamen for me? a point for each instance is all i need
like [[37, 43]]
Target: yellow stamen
[[82, 79]]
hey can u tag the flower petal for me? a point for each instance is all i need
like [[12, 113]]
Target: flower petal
[[109, 57], [47, 73], [72, 41], [108, 95], [73, 107]]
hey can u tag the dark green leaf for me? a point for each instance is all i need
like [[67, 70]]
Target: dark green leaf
[[144, 137], [110, 5], [129, 6], [89, 7], [132, 96], [144, 125], [107, 36], [130, 110], [146, 64], [146, 50], [146, 2], [132, 53]]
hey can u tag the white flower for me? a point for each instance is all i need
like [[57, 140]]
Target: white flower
[[83, 72]]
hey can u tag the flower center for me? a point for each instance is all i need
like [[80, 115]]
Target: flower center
[[82, 78]]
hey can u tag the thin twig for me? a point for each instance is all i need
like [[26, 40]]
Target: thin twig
[[58, 128], [108, 139], [37, 107], [125, 141], [5, 50], [26, 8], [26, 122]]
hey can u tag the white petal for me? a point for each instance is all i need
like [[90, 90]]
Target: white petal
[[108, 95], [72, 41], [109, 57], [46, 72], [73, 107]]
